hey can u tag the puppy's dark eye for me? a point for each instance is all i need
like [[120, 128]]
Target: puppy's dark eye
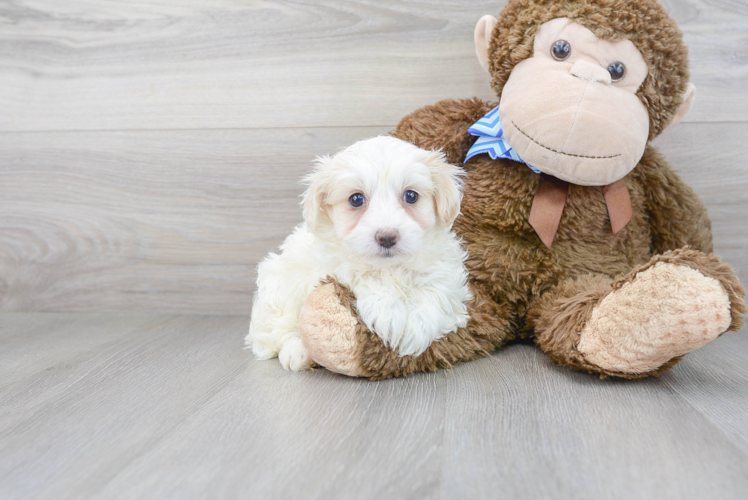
[[410, 197], [561, 50], [617, 70], [356, 200]]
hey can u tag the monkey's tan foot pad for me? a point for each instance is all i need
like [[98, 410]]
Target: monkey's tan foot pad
[[663, 312], [328, 331]]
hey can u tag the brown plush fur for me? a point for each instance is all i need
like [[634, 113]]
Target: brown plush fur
[[523, 290], [484, 333], [644, 22], [561, 314], [509, 261], [516, 270]]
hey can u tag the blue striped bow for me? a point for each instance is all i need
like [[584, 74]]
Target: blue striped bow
[[491, 140]]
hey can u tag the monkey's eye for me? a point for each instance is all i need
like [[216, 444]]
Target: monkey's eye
[[356, 200], [617, 70], [561, 50], [410, 197]]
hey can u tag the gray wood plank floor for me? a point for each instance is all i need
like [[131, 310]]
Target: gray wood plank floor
[[155, 406]]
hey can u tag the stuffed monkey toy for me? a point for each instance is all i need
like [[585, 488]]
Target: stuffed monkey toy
[[580, 236]]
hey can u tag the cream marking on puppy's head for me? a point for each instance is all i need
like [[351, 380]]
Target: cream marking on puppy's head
[[381, 196]]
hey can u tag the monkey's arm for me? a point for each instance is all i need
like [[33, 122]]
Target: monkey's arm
[[444, 126], [338, 340], [677, 216]]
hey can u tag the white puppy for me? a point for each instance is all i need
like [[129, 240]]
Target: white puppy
[[377, 218]]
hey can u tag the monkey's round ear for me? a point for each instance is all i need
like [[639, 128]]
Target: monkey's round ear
[[482, 36], [688, 97]]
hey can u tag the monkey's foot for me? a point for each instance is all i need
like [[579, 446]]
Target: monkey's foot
[[329, 330], [677, 303]]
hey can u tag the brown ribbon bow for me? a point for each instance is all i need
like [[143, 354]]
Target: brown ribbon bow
[[550, 197]]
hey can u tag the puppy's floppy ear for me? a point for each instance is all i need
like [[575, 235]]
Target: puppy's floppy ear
[[313, 199], [447, 180]]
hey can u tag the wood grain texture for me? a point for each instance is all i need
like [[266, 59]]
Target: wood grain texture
[[175, 221], [89, 413], [171, 64], [150, 221], [544, 431], [712, 159], [719, 368], [172, 407]]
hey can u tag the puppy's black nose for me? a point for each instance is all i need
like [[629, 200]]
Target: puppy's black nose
[[387, 238]]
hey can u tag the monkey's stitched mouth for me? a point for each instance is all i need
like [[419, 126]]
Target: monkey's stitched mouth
[[561, 152]]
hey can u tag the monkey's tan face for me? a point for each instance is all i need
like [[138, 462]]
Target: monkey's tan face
[[571, 109]]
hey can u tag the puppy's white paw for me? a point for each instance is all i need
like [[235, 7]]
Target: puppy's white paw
[[261, 348], [293, 355], [385, 316], [422, 327]]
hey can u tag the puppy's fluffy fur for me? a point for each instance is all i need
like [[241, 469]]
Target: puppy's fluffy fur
[[410, 292]]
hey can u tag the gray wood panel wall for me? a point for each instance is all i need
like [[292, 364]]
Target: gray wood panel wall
[[150, 152]]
